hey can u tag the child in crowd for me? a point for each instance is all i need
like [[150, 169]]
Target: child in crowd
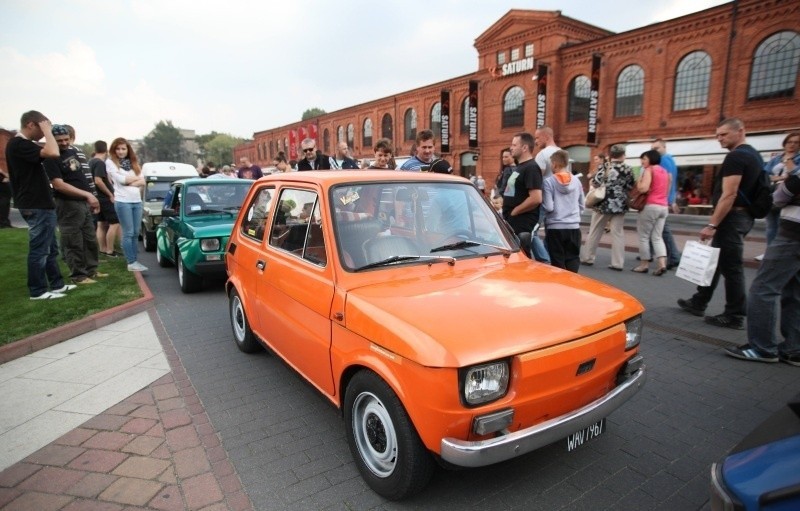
[[563, 202]]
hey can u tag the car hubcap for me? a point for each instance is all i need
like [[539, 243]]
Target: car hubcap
[[375, 435], [180, 271], [238, 318]]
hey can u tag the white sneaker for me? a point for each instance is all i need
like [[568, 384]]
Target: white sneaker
[[759, 257], [137, 266], [67, 287], [47, 295]]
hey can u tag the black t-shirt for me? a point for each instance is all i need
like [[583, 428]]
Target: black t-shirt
[[524, 177], [69, 168], [29, 183], [98, 168], [743, 161]]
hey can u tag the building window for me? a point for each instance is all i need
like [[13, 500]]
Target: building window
[[578, 103], [436, 120], [465, 115], [775, 65], [501, 58], [514, 54], [286, 144], [387, 131], [339, 134], [326, 141], [529, 50], [366, 137], [351, 136], [272, 149], [410, 125], [514, 107], [630, 92], [691, 81]]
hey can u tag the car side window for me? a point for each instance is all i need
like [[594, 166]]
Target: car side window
[[255, 220], [297, 225]]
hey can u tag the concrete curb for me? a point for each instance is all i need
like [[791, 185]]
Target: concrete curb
[[22, 347]]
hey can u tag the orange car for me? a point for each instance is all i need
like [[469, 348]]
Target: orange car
[[405, 299]]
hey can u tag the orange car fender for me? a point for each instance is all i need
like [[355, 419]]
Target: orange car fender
[[429, 395]]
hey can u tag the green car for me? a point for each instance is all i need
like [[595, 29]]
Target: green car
[[198, 216]]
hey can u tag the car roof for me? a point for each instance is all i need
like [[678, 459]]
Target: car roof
[[327, 178], [212, 182], [168, 168]]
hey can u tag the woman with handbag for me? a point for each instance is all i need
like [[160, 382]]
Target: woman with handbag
[[655, 181], [617, 177]]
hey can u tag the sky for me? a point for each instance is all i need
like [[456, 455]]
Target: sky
[[116, 67]]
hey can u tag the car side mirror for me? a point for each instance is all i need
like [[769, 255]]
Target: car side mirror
[[167, 212]]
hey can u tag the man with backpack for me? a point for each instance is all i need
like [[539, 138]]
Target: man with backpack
[[736, 187]]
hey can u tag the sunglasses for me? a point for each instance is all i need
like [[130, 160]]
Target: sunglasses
[[309, 150]]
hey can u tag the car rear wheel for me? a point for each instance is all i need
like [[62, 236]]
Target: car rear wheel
[[190, 283], [148, 240], [388, 451], [244, 337]]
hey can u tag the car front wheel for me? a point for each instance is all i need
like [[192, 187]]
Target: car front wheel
[[388, 451], [190, 283], [161, 260], [242, 334]]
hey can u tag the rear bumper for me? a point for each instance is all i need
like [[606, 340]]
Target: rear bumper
[[486, 452]]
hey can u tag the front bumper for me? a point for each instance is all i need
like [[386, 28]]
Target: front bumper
[[486, 452], [210, 268]]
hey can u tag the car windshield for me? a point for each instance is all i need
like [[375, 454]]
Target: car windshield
[[156, 191], [386, 224], [217, 197]]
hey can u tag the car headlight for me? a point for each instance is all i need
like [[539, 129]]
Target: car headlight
[[484, 383], [633, 332], [209, 245]]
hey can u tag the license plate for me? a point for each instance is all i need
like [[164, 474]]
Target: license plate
[[579, 438]]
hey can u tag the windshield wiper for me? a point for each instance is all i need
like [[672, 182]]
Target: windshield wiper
[[399, 258], [469, 243]]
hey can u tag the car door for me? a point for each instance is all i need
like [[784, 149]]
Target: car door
[[296, 288], [172, 223], [246, 256]]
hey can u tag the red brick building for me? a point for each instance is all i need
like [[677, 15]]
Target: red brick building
[[674, 80]]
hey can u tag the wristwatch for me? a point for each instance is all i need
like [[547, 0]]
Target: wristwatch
[[712, 226]]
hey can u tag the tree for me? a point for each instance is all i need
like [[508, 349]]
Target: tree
[[313, 112], [164, 143], [219, 149]]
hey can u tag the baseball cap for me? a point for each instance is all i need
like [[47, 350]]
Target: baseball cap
[[60, 130], [441, 166]]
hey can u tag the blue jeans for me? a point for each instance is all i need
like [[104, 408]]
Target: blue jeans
[[729, 238], [776, 287], [43, 270], [130, 221], [773, 219], [538, 248]]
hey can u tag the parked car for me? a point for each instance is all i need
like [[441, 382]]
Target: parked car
[[158, 177], [763, 470], [405, 299], [198, 215]]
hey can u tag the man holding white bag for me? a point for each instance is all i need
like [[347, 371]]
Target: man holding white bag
[[729, 224]]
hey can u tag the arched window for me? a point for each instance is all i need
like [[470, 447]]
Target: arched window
[[692, 79], [436, 120], [630, 92], [578, 103], [410, 125], [339, 134], [465, 116], [387, 131], [326, 141], [351, 136], [775, 64], [514, 107], [366, 136]]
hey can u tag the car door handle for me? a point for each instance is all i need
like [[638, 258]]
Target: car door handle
[[261, 264]]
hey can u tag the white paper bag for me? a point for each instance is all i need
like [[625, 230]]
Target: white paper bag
[[698, 263]]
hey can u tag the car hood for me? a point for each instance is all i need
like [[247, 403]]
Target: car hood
[[455, 318], [211, 226]]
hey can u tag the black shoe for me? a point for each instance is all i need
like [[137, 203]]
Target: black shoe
[[725, 321], [614, 268], [747, 352], [790, 359], [672, 266], [690, 307], [587, 263]]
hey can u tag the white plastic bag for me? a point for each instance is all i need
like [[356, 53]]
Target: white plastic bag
[[698, 263]]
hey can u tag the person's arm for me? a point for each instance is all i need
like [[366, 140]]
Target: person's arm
[[730, 187], [643, 184], [100, 185], [547, 196], [50, 147], [531, 202], [67, 189]]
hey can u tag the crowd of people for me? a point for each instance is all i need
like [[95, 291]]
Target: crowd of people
[[93, 202]]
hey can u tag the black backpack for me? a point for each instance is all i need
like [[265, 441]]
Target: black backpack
[[759, 203]]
